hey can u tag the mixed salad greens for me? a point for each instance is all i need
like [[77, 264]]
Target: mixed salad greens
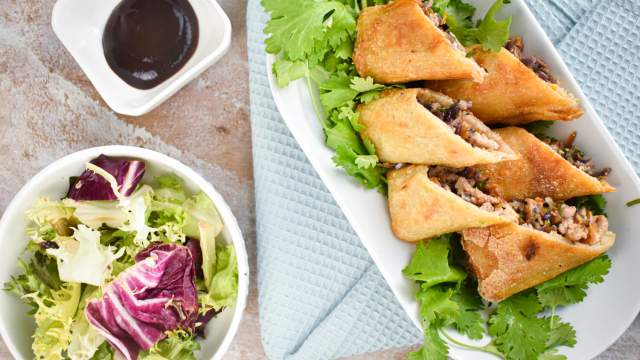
[[118, 268], [314, 40]]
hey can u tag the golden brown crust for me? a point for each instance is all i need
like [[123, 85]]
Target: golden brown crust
[[404, 131], [508, 258], [539, 172], [511, 93], [397, 43], [421, 209]]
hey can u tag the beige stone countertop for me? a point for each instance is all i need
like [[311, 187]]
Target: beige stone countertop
[[49, 109]]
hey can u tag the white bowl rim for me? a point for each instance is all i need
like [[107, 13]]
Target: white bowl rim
[[228, 220]]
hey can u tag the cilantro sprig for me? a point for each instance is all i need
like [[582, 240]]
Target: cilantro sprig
[[314, 40], [518, 326], [490, 33]]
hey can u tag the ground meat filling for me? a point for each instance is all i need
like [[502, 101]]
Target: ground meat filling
[[578, 225], [575, 156], [468, 184], [516, 47], [456, 114]]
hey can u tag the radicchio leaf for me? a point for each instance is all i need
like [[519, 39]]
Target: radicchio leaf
[[92, 186], [155, 295], [196, 252]]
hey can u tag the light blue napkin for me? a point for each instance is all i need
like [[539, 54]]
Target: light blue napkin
[[320, 295]]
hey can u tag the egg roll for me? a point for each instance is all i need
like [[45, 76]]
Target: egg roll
[[420, 126], [512, 93], [405, 41], [509, 258], [541, 170], [426, 202]]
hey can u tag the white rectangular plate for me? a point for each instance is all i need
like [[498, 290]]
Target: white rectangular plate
[[610, 307]]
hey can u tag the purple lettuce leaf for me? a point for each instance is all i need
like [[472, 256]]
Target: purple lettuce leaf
[[92, 186], [204, 319], [194, 246], [155, 295]]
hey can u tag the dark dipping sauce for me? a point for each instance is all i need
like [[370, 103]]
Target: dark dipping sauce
[[145, 42]]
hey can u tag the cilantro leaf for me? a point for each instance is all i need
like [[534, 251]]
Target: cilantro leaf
[[434, 348], [570, 287], [287, 71], [337, 91], [597, 204], [436, 306], [366, 161], [345, 158], [551, 354], [302, 29], [515, 329], [560, 334], [458, 15], [343, 134], [468, 320], [492, 33], [364, 84], [430, 263]]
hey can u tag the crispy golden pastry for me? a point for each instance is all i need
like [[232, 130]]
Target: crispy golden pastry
[[404, 130], [508, 258], [511, 93], [539, 172], [420, 208], [401, 42]]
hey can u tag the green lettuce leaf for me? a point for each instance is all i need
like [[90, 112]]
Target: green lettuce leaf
[[178, 345], [104, 352], [85, 339], [200, 209], [40, 276], [54, 318], [222, 290]]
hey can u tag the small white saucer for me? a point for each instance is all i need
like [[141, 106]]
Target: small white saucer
[[79, 25]]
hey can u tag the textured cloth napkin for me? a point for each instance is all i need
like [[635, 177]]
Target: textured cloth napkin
[[320, 295]]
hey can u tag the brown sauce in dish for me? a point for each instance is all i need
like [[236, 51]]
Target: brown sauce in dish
[[145, 42]]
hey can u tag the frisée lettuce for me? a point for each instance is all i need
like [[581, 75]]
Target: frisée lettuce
[[118, 251]]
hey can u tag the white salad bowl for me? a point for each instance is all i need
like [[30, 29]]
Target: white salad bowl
[[79, 25], [609, 308], [16, 327]]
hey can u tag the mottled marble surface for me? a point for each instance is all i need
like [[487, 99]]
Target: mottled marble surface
[[49, 109]]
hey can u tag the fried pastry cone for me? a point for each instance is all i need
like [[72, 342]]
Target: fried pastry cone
[[517, 89], [405, 41], [420, 126], [509, 258], [426, 202], [544, 169]]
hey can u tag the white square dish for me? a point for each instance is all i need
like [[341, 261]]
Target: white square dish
[[79, 25], [610, 307]]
